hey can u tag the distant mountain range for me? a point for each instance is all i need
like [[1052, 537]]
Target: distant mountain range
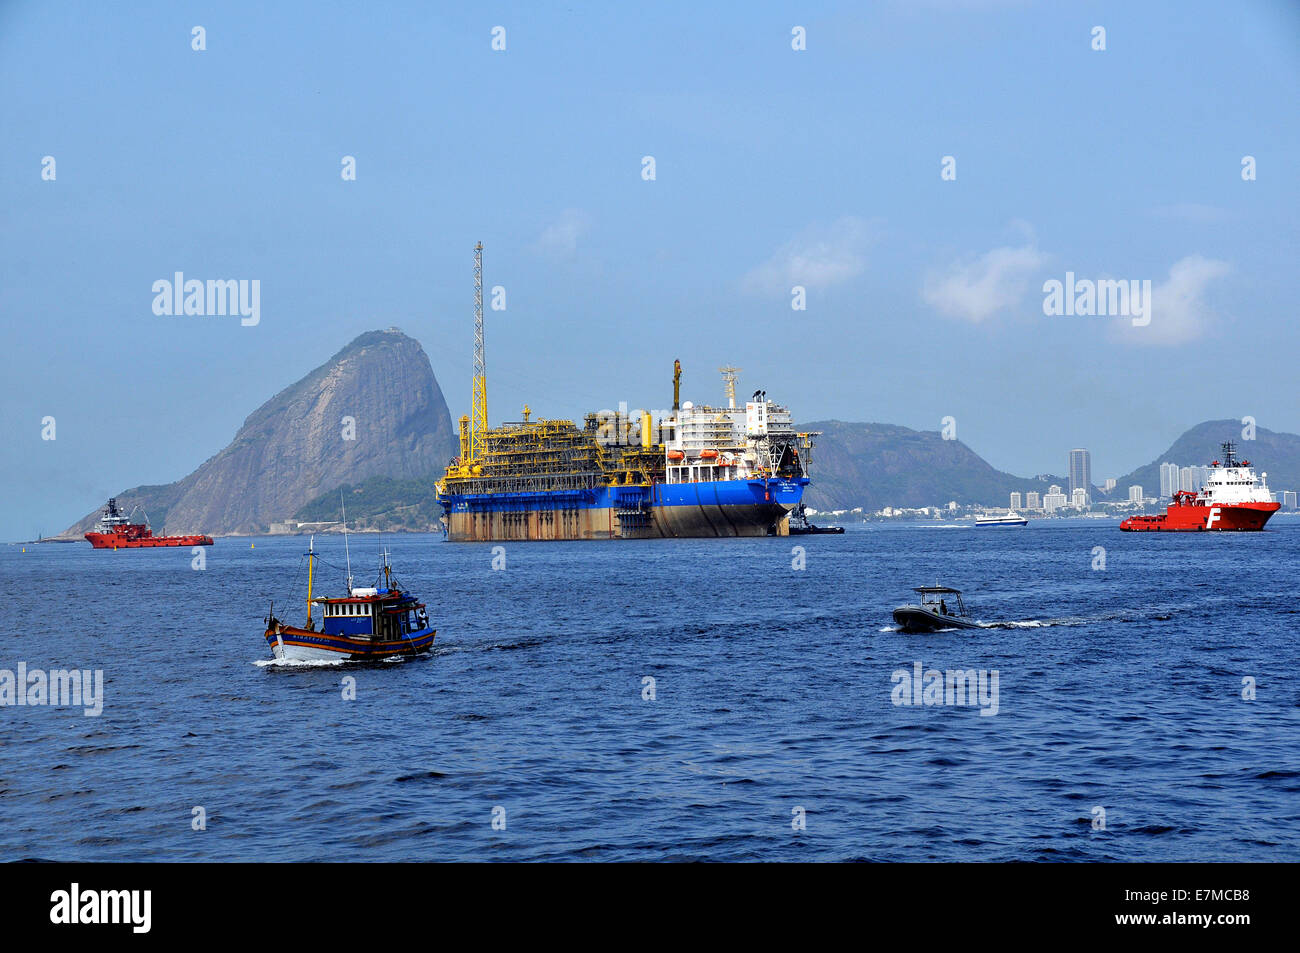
[[293, 456], [878, 465], [372, 410]]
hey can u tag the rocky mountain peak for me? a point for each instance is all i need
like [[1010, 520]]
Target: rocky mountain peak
[[372, 410]]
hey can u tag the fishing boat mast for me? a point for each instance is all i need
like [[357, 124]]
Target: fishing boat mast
[[311, 554], [346, 552]]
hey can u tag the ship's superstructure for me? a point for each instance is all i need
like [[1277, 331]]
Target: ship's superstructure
[[1233, 498], [694, 470]]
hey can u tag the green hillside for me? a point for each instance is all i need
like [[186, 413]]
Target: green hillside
[[382, 503]]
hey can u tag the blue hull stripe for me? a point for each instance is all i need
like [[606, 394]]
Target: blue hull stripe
[[721, 493]]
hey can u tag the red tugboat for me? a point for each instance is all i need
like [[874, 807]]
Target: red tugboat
[[118, 532], [1232, 499]]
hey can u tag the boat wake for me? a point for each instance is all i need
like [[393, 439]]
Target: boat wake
[[329, 662], [298, 663], [1037, 623]]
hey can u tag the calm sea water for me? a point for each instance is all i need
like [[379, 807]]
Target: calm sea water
[[1120, 688]]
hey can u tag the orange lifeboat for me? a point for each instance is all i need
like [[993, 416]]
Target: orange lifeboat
[[708, 454], [675, 455]]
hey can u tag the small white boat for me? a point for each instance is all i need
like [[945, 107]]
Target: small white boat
[[1011, 519]]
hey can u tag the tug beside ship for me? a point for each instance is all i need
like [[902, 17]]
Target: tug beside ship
[[1233, 499]]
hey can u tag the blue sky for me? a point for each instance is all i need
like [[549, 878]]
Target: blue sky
[[774, 167]]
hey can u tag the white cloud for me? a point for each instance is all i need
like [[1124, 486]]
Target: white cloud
[[1179, 311], [974, 289], [560, 238], [817, 257]]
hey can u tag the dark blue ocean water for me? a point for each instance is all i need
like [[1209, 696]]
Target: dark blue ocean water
[[773, 692]]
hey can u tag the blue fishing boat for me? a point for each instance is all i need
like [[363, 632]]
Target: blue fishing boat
[[376, 622]]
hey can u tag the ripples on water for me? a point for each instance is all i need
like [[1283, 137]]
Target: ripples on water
[[1118, 688]]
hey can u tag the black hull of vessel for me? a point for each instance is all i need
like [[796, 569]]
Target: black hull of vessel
[[916, 619]]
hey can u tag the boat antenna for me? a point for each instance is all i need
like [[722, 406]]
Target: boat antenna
[[729, 373], [346, 551]]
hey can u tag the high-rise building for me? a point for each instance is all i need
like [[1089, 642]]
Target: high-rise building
[[1015, 501], [1054, 499], [1288, 499], [1174, 478], [1079, 498], [1168, 480], [1081, 472], [1032, 501], [1109, 484], [1135, 493]]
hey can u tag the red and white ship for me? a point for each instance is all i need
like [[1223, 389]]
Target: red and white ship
[[1232, 499], [118, 532]]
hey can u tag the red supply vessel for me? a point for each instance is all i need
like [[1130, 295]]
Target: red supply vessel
[[118, 532], [1232, 499]]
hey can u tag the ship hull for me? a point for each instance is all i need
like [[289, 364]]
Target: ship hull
[[1236, 517], [118, 541], [306, 645], [707, 509], [919, 619]]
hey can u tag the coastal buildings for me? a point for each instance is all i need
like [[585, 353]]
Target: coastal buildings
[[1135, 493], [1053, 499], [1017, 503]]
